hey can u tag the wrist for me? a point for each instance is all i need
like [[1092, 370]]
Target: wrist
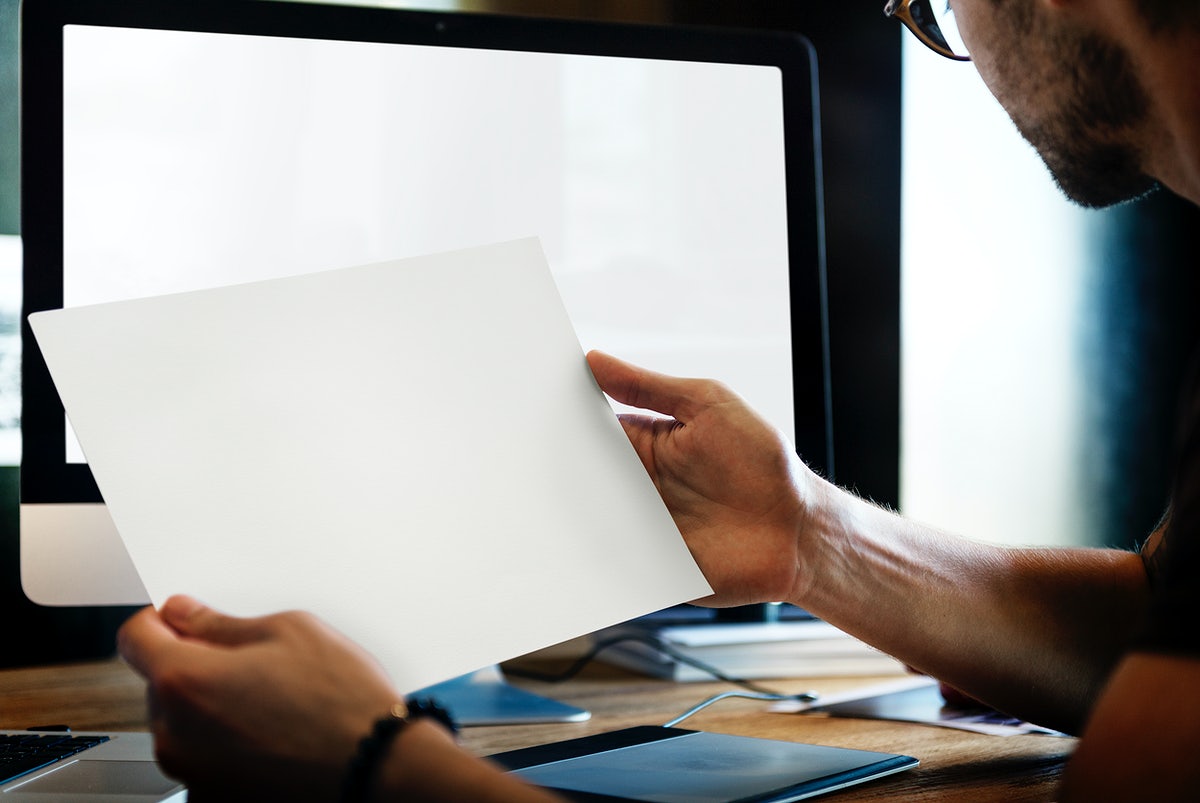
[[374, 751], [409, 769], [426, 765], [823, 532]]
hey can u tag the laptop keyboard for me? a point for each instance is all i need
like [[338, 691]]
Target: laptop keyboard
[[25, 752]]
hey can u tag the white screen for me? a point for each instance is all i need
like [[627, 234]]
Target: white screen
[[194, 160]]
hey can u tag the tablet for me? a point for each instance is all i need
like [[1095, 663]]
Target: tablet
[[675, 765]]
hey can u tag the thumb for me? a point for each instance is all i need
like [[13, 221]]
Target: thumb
[[648, 390], [145, 640], [192, 618]]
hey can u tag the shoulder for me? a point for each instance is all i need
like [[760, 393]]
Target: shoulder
[[1141, 739], [1172, 554]]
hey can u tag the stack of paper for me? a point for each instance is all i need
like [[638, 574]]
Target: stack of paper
[[750, 651]]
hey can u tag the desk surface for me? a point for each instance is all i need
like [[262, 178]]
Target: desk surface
[[955, 765]]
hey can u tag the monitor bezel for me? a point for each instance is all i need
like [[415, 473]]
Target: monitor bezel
[[47, 477]]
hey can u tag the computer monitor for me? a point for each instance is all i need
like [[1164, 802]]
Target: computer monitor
[[673, 175]]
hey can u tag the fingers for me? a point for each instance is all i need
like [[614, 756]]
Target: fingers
[[641, 431], [193, 619], [151, 639], [638, 387], [145, 641]]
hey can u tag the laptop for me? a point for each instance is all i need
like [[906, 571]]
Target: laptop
[[42, 765]]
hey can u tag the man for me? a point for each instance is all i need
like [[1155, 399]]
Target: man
[[1099, 642]]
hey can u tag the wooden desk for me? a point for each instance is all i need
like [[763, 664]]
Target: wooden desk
[[956, 766]]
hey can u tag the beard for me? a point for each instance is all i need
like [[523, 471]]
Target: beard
[[1093, 174], [1085, 141]]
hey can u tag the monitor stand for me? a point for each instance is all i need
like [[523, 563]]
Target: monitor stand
[[486, 698]]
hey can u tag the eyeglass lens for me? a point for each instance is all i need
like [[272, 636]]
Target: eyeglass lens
[[936, 19]]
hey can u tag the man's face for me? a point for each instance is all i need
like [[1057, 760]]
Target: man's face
[[1071, 93]]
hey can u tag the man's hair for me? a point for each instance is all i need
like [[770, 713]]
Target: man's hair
[[1163, 14]]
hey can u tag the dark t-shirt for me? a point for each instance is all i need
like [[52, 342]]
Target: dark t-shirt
[[1173, 625]]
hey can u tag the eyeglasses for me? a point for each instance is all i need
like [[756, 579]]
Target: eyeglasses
[[936, 29]]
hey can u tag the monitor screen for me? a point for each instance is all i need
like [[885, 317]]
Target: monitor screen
[[671, 174]]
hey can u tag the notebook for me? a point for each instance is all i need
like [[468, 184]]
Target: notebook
[[675, 765], [84, 766]]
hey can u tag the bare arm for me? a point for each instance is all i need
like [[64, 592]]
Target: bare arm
[[1032, 632], [425, 765]]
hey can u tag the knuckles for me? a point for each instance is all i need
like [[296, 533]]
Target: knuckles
[[293, 622]]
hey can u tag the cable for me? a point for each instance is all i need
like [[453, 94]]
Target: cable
[[666, 649], [805, 697]]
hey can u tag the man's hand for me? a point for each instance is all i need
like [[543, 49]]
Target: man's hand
[[273, 708], [733, 484], [239, 706]]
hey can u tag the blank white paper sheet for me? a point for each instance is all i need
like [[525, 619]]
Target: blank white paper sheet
[[414, 450]]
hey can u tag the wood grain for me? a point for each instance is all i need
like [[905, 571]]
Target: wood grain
[[958, 766]]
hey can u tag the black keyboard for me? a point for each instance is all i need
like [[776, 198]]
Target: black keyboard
[[25, 752]]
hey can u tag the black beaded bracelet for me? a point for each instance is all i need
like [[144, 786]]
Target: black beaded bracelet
[[363, 764]]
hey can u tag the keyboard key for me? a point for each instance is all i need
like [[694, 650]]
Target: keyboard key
[[22, 753]]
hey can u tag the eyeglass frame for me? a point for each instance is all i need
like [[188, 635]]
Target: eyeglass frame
[[901, 10]]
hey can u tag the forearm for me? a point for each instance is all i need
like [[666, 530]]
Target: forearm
[[424, 765], [1033, 632]]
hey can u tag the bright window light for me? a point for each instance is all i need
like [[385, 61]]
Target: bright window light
[[993, 260]]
